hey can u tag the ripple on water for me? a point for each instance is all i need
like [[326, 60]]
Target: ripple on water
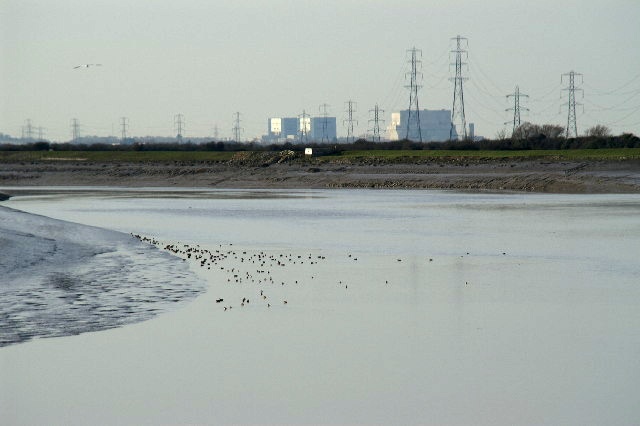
[[97, 285]]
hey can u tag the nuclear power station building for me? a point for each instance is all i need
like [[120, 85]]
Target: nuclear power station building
[[434, 126], [427, 126], [301, 129]]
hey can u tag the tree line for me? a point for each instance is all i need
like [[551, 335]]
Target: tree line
[[525, 137]]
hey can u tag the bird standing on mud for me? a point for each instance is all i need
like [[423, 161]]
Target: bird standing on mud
[[87, 66]]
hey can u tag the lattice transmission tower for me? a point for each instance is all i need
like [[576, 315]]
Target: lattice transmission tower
[[75, 129], [237, 130], [458, 120], [305, 126], [178, 125], [516, 95], [27, 130], [375, 130], [124, 124], [324, 113], [351, 107], [572, 127], [413, 114]]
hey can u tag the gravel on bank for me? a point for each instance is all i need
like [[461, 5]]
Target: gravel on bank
[[252, 172]]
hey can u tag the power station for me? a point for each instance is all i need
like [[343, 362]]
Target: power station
[[301, 129]]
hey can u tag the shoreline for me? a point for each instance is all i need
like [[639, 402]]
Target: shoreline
[[468, 174], [64, 278]]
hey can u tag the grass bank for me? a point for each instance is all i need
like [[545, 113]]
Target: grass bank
[[116, 156], [558, 155], [615, 154]]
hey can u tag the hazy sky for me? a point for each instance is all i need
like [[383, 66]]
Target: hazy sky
[[209, 59]]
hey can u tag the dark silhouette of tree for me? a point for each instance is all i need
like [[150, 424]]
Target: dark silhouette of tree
[[598, 131]]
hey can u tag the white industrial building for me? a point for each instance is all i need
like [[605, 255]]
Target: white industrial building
[[435, 126], [292, 129]]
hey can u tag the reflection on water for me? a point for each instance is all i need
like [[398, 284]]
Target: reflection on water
[[401, 306], [82, 280], [506, 239]]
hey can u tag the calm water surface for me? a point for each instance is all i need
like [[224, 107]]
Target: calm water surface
[[466, 308]]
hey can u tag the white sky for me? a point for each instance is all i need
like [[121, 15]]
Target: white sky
[[209, 59]]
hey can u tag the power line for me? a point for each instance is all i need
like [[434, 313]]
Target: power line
[[487, 95], [543, 112], [478, 116], [626, 116], [616, 108], [436, 86], [393, 96], [610, 92], [477, 100], [476, 65], [457, 112], [546, 95], [440, 61]]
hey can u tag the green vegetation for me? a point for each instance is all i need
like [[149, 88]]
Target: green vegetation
[[116, 156], [569, 154], [388, 155], [530, 144]]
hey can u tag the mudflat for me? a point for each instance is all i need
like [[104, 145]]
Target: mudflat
[[272, 171]]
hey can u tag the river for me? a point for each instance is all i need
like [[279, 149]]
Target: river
[[402, 307]]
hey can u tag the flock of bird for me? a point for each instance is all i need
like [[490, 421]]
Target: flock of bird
[[255, 268], [258, 270]]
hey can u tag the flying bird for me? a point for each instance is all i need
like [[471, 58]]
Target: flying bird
[[87, 66]]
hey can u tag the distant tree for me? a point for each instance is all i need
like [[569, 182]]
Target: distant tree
[[598, 131], [551, 131], [534, 131], [525, 131], [41, 146], [501, 134]]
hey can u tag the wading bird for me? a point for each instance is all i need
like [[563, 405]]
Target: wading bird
[[87, 66]]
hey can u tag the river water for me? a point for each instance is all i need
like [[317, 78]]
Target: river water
[[401, 306]]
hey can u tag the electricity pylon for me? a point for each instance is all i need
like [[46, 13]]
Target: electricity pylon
[[75, 129], [457, 112], [376, 122], [124, 123], [305, 123], [178, 124], [516, 95], [413, 115], [349, 121], [27, 130], [325, 130], [237, 130], [572, 127]]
